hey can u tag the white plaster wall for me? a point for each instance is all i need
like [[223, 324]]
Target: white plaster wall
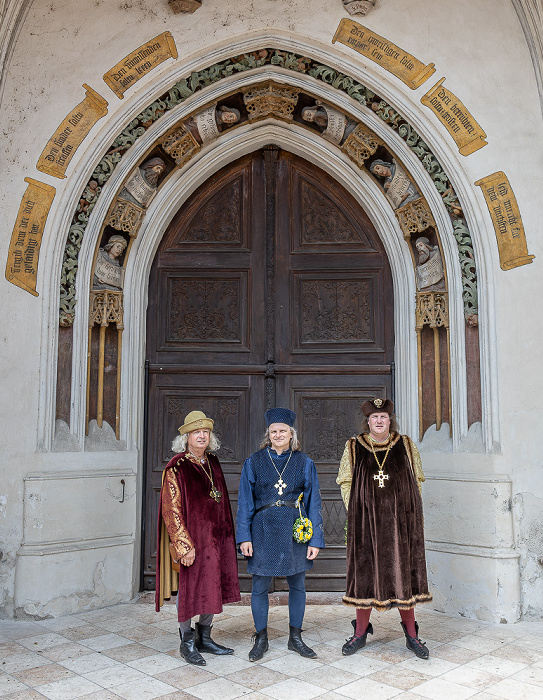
[[486, 63]]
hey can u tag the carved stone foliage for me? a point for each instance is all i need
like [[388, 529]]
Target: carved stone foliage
[[322, 222], [359, 7], [181, 145], [106, 307], [361, 144], [224, 410], [432, 310], [205, 310], [125, 216], [270, 100], [220, 220], [335, 310], [415, 217]]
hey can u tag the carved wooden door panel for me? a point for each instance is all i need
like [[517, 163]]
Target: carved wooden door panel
[[270, 287]]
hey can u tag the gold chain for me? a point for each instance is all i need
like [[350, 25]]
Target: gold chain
[[381, 466], [214, 493]]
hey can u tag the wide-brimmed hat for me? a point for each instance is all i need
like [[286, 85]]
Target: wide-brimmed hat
[[196, 420], [280, 415], [377, 406]]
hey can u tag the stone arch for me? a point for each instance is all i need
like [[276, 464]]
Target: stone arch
[[233, 147]]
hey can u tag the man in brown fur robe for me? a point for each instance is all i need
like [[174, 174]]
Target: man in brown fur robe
[[380, 476]]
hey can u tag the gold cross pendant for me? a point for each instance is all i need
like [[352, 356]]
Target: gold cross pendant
[[381, 478], [280, 486]]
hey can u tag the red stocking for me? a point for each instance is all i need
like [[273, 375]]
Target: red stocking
[[362, 621], [408, 618]]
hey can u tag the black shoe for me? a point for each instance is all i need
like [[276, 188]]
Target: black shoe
[[296, 643], [188, 650], [206, 644], [414, 644], [354, 643], [261, 646]]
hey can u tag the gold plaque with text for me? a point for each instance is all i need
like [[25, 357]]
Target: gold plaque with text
[[392, 58], [503, 208], [63, 144], [455, 117], [137, 64], [24, 249]]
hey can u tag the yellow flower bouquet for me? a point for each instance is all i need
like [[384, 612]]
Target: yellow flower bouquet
[[303, 527]]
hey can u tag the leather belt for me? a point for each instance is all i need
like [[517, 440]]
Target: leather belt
[[278, 504]]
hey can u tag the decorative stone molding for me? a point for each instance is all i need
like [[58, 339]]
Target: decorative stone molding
[[361, 144], [359, 7], [432, 310], [181, 145], [270, 100], [125, 216], [178, 6], [106, 307], [415, 217]]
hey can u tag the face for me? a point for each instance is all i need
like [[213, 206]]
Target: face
[[115, 250], [422, 247], [157, 169], [228, 118], [198, 440], [280, 434], [309, 115], [381, 171], [379, 425]]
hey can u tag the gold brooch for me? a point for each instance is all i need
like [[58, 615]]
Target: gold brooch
[[378, 403]]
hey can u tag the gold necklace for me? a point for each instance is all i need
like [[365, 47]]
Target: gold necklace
[[280, 485], [214, 493], [380, 476]]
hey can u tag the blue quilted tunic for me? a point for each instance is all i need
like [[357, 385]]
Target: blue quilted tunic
[[275, 552]]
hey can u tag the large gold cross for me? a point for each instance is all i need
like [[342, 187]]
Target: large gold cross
[[381, 478], [280, 486]]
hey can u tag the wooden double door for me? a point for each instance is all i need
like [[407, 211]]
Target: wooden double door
[[270, 288]]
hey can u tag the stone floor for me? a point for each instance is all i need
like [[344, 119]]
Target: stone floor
[[129, 651]]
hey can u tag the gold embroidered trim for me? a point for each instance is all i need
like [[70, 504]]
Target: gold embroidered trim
[[382, 605], [172, 514], [379, 447]]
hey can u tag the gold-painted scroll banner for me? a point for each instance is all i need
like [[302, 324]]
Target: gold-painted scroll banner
[[137, 64], [24, 249], [456, 118], [392, 58], [503, 208], [63, 144]]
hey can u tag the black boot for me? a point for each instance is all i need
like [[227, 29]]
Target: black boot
[[261, 646], [188, 650], [296, 643], [206, 644], [414, 644], [354, 643]]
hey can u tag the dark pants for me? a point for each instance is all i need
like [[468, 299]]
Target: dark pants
[[260, 602]]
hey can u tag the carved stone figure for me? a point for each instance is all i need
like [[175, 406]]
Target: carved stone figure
[[398, 187], [108, 273], [143, 183], [359, 7], [206, 125], [430, 275], [333, 124]]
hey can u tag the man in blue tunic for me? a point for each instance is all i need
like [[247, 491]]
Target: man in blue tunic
[[272, 480]]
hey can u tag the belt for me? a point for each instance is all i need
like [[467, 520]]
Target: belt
[[290, 504]]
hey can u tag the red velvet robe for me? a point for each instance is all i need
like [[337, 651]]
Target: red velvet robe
[[188, 517]]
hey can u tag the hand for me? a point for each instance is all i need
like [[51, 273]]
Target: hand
[[312, 552], [188, 558], [246, 549]]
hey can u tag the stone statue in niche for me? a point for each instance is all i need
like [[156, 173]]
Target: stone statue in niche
[[398, 187], [143, 183], [359, 7], [333, 124], [430, 275], [206, 125], [108, 273]]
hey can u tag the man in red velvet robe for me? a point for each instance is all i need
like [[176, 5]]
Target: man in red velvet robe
[[195, 527]]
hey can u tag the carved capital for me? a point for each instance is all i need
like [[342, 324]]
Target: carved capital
[[432, 310], [125, 216], [361, 144], [184, 5], [359, 7], [270, 100], [180, 145], [415, 217], [106, 307]]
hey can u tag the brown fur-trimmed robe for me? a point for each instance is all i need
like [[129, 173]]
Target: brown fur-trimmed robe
[[386, 561]]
